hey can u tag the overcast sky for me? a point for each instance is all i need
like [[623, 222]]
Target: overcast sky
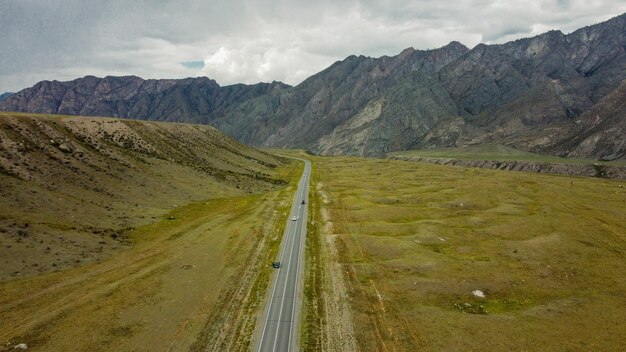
[[255, 40]]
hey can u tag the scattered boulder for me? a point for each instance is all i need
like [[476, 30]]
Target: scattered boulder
[[65, 148], [478, 293]]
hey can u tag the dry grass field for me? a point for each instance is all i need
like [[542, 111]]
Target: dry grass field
[[414, 243], [122, 235]]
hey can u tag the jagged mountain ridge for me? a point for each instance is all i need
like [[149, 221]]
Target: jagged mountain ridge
[[530, 94], [173, 100]]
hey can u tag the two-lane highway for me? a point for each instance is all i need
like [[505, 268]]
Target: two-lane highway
[[279, 330]]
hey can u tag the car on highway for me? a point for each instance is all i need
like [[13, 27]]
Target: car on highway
[[275, 265], [294, 218], [303, 201]]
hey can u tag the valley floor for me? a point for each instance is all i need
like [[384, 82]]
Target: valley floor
[[401, 256], [120, 235], [438, 258], [191, 283]]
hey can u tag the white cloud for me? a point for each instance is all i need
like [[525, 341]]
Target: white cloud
[[267, 59], [252, 41]]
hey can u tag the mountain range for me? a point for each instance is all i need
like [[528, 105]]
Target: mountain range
[[555, 93]]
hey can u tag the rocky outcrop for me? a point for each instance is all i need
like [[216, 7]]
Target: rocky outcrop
[[554, 93], [589, 170]]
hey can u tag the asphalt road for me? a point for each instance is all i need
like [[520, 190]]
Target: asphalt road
[[281, 325]]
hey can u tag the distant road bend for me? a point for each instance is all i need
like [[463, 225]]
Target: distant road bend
[[282, 317]]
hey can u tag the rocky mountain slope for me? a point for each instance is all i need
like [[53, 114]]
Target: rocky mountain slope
[[5, 95], [600, 132], [72, 187], [537, 94], [187, 100]]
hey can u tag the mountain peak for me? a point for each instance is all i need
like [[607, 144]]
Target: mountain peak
[[453, 48], [279, 85], [408, 51], [455, 45]]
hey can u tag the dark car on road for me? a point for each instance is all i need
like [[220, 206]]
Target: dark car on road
[[275, 265]]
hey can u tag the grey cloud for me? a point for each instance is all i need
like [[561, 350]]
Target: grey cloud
[[251, 41]]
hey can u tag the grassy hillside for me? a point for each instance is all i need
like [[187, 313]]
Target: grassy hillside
[[127, 235], [411, 244], [73, 188], [495, 152]]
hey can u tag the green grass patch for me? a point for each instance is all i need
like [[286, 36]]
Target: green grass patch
[[546, 250]]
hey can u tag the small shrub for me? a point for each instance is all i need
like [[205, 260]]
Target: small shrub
[[470, 308]]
